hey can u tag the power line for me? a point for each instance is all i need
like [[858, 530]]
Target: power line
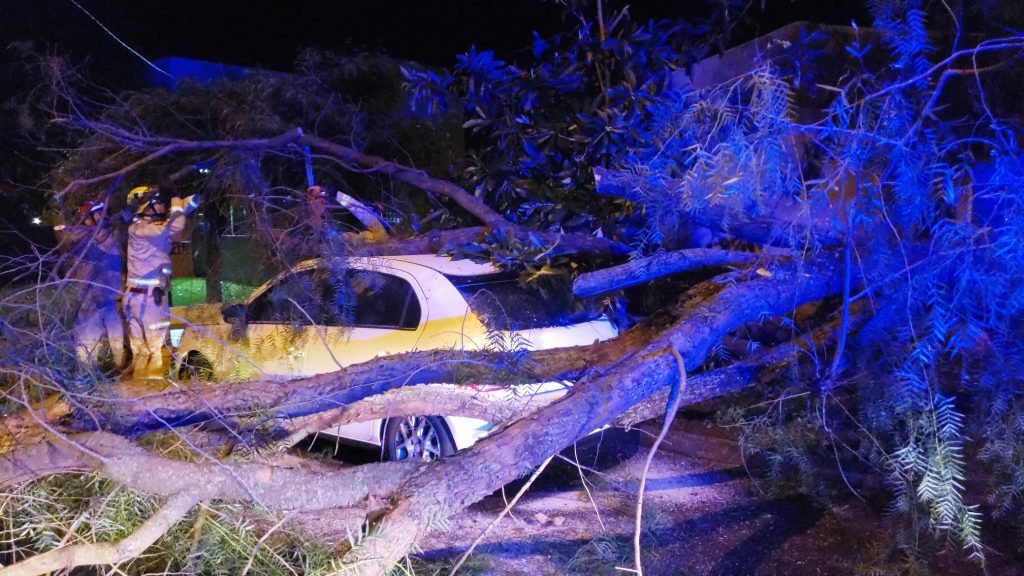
[[119, 41]]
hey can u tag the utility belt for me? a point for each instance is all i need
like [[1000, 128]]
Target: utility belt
[[155, 286]]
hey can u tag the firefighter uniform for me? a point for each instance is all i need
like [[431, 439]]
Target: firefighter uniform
[[95, 267], [147, 287]]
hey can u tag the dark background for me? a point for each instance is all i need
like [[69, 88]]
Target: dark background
[[270, 33]]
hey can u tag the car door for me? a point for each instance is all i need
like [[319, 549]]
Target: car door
[[367, 313], [280, 323]]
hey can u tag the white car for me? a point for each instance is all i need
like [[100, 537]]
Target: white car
[[321, 316]]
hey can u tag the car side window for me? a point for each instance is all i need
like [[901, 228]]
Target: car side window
[[371, 299], [295, 300]]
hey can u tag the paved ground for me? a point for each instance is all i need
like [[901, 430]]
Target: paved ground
[[702, 516]]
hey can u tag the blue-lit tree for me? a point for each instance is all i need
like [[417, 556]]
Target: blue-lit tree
[[854, 231]]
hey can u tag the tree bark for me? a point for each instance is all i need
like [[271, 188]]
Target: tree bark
[[437, 240], [276, 487], [179, 406], [216, 223], [646, 269]]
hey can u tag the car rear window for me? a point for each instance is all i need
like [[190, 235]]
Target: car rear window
[[504, 303]]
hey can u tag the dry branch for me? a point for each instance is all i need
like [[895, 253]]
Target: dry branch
[[160, 147], [86, 554], [416, 401], [300, 397]]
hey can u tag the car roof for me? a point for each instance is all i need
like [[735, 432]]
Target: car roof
[[443, 264]]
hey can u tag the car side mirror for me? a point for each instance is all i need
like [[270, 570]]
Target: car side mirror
[[234, 314]]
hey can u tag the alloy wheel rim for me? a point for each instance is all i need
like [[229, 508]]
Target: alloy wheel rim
[[417, 438]]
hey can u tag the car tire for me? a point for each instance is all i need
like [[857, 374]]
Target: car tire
[[423, 437], [196, 366]]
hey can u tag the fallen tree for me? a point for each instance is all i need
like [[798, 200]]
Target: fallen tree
[[848, 260], [604, 390]]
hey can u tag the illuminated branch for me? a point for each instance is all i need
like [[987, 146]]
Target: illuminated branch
[[411, 176], [646, 269], [300, 397], [416, 401]]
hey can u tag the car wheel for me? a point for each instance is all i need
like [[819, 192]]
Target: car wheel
[[196, 366], [423, 437]]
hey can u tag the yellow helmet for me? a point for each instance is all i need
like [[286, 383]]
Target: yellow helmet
[[140, 194], [141, 198]]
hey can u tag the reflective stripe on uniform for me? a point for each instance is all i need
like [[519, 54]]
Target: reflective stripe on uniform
[[159, 325], [143, 281]]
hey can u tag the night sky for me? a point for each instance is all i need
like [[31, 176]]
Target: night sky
[[270, 33]]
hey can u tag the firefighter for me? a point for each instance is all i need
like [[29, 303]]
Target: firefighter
[[318, 200], [93, 248], [155, 226]]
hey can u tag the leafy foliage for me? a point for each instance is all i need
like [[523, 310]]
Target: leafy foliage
[[905, 187], [216, 539], [536, 129]]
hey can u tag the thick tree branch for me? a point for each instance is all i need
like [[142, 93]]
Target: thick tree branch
[[418, 400], [274, 487], [417, 178], [294, 398], [646, 269]]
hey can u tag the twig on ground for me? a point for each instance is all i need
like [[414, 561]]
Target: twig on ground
[[670, 414], [583, 480], [256, 549]]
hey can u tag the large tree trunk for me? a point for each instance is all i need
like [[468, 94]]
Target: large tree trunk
[[216, 223]]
